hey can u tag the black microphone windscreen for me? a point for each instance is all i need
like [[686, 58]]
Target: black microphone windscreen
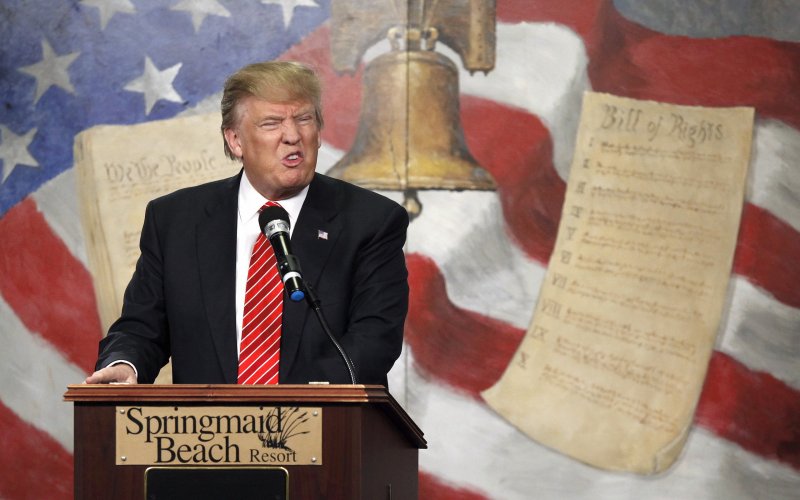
[[270, 214]]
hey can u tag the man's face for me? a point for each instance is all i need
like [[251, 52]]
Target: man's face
[[278, 145]]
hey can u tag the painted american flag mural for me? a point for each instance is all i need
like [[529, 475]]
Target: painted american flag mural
[[476, 260]]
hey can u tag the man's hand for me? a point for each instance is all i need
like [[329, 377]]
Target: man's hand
[[120, 374]]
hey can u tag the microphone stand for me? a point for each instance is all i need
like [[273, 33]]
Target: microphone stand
[[316, 305]]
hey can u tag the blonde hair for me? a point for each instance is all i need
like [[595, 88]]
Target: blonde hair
[[273, 81]]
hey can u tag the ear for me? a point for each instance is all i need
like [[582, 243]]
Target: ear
[[232, 138]]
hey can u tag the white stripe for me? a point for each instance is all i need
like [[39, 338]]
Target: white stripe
[[257, 267], [249, 328], [269, 327], [250, 378], [485, 272], [761, 332], [261, 282], [262, 295], [33, 378], [257, 347], [253, 369], [259, 249], [273, 379], [472, 447], [57, 199], [774, 183], [540, 68], [272, 308], [268, 295]]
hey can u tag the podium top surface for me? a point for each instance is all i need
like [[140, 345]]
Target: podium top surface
[[168, 393], [311, 394]]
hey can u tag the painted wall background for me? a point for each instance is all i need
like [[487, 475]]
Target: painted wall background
[[476, 258]]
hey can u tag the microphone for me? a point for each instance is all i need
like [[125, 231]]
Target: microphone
[[274, 223]]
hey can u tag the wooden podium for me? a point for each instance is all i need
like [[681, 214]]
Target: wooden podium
[[368, 445]]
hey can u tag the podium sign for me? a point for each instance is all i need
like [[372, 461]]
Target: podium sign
[[338, 442], [214, 435]]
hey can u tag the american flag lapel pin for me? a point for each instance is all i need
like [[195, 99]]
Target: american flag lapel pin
[[322, 235]]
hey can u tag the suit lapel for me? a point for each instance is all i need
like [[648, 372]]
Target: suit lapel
[[216, 255], [313, 238]]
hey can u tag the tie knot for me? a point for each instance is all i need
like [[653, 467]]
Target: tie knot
[[268, 204]]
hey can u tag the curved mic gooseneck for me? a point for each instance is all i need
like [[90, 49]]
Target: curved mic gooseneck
[[316, 305]]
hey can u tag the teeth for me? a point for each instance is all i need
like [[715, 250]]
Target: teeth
[[293, 156]]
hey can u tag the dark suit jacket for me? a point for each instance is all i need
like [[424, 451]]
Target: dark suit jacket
[[181, 299]]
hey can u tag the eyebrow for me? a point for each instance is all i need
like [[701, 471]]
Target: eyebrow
[[308, 111], [281, 117]]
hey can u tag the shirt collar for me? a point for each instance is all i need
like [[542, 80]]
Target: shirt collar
[[251, 201]]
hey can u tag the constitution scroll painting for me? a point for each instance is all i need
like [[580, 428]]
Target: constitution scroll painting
[[613, 362], [122, 167]]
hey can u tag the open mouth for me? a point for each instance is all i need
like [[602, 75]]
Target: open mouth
[[293, 158]]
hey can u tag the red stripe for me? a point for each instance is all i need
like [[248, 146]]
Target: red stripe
[[520, 158], [432, 488], [767, 254], [753, 409], [47, 287], [630, 60], [465, 349], [469, 352], [579, 15], [33, 464]]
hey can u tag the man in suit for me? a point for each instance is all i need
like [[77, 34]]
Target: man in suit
[[185, 299]]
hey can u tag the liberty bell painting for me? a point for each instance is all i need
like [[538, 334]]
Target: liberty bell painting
[[409, 135]]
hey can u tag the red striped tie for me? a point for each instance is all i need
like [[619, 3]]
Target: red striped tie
[[259, 353]]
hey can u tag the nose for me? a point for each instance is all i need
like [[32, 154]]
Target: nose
[[291, 132]]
